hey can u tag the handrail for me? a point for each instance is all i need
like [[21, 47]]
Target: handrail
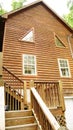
[[45, 117], [12, 80], [12, 74], [14, 86]]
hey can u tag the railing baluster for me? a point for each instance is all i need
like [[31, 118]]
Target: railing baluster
[[50, 93]]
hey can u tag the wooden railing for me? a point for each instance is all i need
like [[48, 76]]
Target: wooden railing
[[51, 93], [44, 116], [12, 80], [15, 91]]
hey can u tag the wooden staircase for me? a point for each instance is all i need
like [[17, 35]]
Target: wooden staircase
[[41, 100], [20, 120]]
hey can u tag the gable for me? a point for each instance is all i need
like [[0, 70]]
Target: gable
[[40, 2]]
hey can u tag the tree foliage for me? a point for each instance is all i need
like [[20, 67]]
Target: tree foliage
[[2, 11], [69, 17], [17, 4]]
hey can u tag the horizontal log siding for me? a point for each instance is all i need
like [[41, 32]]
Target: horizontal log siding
[[45, 24]]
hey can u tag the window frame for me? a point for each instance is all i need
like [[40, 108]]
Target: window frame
[[27, 74], [68, 67]]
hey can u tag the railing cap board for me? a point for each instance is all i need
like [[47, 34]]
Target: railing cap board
[[46, 111], [12, 74], [62, 128]]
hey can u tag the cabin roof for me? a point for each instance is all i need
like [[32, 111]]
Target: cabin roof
[[39, 2]]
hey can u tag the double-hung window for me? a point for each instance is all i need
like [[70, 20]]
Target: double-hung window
[[64, 67], [29, 64]]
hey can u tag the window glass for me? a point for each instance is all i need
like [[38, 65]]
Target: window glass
[[29, 37], [58, 42]]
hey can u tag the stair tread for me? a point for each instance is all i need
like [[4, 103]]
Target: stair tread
[[16, 121], [18, 113], [25, 125], [16, 118], [15, 111]]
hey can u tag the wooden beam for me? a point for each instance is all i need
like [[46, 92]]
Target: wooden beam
[[25, 94], [61, 96]]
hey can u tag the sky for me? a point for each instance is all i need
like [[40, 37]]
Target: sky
[[59, 6]]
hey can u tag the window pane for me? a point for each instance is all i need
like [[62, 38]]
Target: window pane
[[33, 69], [67, 72], [63, 72], [25, 59]]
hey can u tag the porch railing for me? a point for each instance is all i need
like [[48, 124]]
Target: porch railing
[[51, 93], [15, 91], [12, 79], [44, 116]]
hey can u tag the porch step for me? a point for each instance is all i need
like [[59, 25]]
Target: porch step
[[20, 120], [23, 127], [18, 113]]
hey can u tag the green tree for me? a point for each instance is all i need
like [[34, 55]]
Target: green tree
[[69, 17], [2, 11], [17, 4]]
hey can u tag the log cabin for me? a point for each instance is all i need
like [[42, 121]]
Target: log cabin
[[37, 45]]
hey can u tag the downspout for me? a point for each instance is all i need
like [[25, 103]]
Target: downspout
[[69, 42]]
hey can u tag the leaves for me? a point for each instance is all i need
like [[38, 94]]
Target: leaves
[[17, 4], [69, 17], [2, 11]]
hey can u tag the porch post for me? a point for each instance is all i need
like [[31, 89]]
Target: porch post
[[2, 104], [61, 96], [25, 95], [31, 100]]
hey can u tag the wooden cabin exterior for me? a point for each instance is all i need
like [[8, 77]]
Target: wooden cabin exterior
[[37, 45], [50, 46]]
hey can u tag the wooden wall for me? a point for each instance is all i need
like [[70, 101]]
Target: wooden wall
[[1, 60], [46, 25]]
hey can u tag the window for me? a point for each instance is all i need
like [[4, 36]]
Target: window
[[29, 64], [29, 37], [58, 42], [64, 67]]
